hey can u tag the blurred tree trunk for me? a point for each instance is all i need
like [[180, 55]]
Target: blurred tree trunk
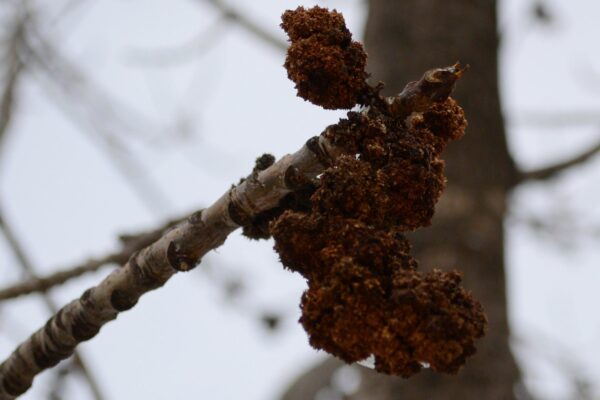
[[403, 39]]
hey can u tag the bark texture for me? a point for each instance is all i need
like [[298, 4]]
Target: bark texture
[[402, 39], [130, 245]]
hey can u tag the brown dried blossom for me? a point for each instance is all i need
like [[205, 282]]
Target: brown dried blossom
[[327, 67], [337, 209], [365, 295]]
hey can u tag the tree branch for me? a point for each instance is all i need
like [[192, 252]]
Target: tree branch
[[555, 120], [42, 284], [552, 171], [179, 249], [28, 268], [15, 69], [258, 31], [7, 101], [131, 244]]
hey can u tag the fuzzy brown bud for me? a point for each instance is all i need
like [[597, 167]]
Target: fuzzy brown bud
[[327, 67]]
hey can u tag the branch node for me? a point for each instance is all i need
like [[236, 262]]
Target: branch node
[[178, 260], [314, 145], [122, 300], [294, 180]]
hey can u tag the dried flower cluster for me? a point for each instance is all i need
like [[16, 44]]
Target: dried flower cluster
[[337, 209], [326, 65], [365, 296]]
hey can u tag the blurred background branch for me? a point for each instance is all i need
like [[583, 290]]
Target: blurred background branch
[[551, 171], [25, 264], [242, 20]]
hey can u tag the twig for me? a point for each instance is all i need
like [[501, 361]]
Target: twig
[[131, 244], [42, 284], [7, 101], [179, 249], [553, 170], [58, 384], [235, 16], [28, 268], [15, 68], [555, 120]]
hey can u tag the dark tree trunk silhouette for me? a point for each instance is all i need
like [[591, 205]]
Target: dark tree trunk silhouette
[[403, 38]]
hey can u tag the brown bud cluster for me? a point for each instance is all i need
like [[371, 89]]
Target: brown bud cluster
[[365, 296], [327, 67]]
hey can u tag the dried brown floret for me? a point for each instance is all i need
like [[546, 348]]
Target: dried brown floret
[[309, 243], [405, 320], [445, 121], [450, 320], [302, 24], [263, 162], [413, 190], [365, 296], [402, 193], [351, 189], [326, 66], [403, 182], [341, 314], [349, 132], [258, 227]]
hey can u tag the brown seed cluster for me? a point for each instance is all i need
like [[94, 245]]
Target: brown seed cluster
[[399, 175], [327, 67], [365, 296]]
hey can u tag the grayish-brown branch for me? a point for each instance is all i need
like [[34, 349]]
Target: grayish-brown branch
[[555, 120], [179, 249], [131, 244], [252, 27], [13, 74], [552, 171], [44, 283]]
